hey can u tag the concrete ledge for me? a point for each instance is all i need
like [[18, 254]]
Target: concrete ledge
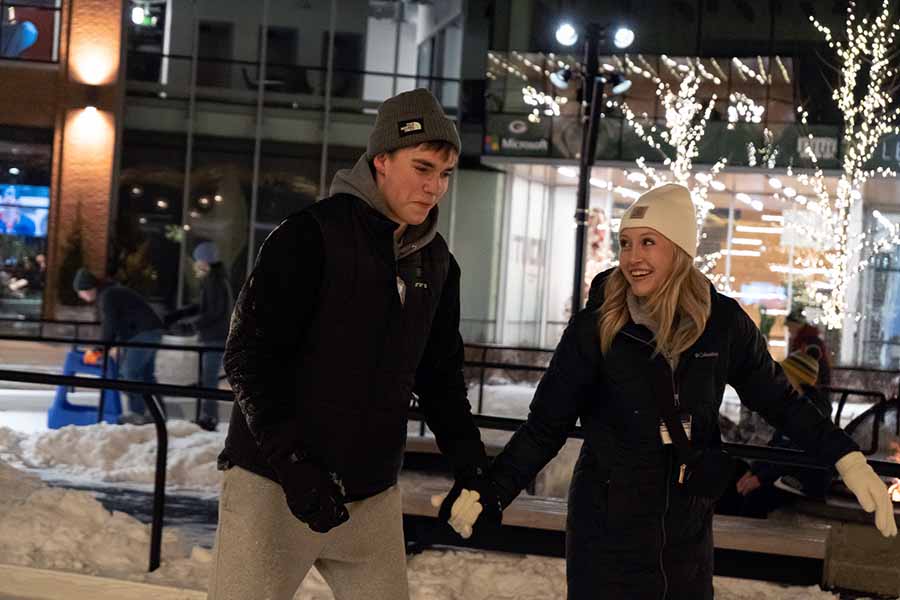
[[860, 559], [730, 533], [25, 583]]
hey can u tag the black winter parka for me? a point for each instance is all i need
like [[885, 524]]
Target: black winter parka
[[324, 358], [632, 532]]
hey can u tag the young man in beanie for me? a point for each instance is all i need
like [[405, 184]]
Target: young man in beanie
[[125, 316], [209, 319], [352, 307]]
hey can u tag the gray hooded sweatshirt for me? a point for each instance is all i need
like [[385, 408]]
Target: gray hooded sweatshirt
[[360, 182]]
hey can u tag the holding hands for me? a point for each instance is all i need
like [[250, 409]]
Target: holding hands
[[472, 499]]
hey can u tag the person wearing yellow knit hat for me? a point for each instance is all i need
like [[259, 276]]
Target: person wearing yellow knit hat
[[802, 368]]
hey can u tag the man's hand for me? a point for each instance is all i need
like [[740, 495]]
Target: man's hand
[[313, 494], [748, 483], [870, 491]]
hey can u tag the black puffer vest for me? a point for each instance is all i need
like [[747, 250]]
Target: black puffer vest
[[356, 369]]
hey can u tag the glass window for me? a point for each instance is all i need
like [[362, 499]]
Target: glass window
[[25, 159], [148, 227]]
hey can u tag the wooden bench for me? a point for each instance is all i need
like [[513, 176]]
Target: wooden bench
[[730, 533]]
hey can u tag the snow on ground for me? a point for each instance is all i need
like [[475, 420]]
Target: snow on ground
[[117, 453], [69, 530], [58, 528]]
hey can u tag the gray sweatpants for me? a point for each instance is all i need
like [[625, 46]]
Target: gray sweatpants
[[262, 552]]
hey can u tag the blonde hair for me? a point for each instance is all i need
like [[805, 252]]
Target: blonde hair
[[680, 307]]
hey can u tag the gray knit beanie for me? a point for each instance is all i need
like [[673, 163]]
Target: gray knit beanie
[[84, 280], [408, 119], [207, 251]]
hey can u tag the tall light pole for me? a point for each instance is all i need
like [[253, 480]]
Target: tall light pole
[[592, 95], [592, 86]]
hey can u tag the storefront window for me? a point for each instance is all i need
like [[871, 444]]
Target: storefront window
[[25, 158]]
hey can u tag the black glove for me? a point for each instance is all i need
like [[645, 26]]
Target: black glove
[[314, 495], [476, 478]]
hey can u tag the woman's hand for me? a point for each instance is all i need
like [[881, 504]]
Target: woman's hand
[[870, 491], [463, 513]]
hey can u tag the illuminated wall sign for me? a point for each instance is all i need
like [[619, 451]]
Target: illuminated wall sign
[[825, 148]]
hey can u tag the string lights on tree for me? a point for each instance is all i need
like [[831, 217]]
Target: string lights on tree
[[677, 142], [864, 98]]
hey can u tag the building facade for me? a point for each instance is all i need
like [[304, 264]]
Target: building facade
[[138, 129]]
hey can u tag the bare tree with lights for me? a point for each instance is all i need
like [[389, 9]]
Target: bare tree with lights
[[677, 142], [864, 96]]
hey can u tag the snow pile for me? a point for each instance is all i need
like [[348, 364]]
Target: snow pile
[[119, 453], [55, 528]]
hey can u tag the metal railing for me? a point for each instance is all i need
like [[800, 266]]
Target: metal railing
[[41, 323], [108, 345], [287, 85], [152, 393]]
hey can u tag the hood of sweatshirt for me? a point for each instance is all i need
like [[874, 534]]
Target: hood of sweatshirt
[[360, 182]]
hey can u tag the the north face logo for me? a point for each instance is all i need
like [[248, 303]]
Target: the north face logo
[[421, 284], [410, 127]]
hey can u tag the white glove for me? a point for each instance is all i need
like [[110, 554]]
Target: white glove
[[463, 513], [870, 491]]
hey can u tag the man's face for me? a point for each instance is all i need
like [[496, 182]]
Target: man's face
[[9, 195], [88, 295], [413, 180], [9, 215], [201, 268]]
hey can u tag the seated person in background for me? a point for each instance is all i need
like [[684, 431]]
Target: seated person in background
[[804, 334], [760, 484]]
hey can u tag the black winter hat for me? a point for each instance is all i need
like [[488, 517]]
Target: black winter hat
[[409, 119], [84, 280]]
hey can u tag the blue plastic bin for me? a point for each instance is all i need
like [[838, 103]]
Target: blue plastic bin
[[64, 413]]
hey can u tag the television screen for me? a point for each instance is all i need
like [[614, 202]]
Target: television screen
[[21, 220], [37, 196]]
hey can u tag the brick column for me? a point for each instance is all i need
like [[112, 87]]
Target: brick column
[[90, 84]]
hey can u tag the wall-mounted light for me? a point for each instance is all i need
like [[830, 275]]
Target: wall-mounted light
[[14, 171]]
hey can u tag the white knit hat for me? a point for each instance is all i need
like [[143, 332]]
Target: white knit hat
[[668, 209]]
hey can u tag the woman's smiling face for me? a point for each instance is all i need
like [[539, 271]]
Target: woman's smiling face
[[646, 258]]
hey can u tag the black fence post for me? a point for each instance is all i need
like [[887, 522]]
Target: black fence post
[[199, 384], [101, 403], [159, 483], [481, 382]]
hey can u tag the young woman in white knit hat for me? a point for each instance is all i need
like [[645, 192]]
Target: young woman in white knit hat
[[644, 367]]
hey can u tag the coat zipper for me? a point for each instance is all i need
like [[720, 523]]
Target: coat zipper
[[662, 568]]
